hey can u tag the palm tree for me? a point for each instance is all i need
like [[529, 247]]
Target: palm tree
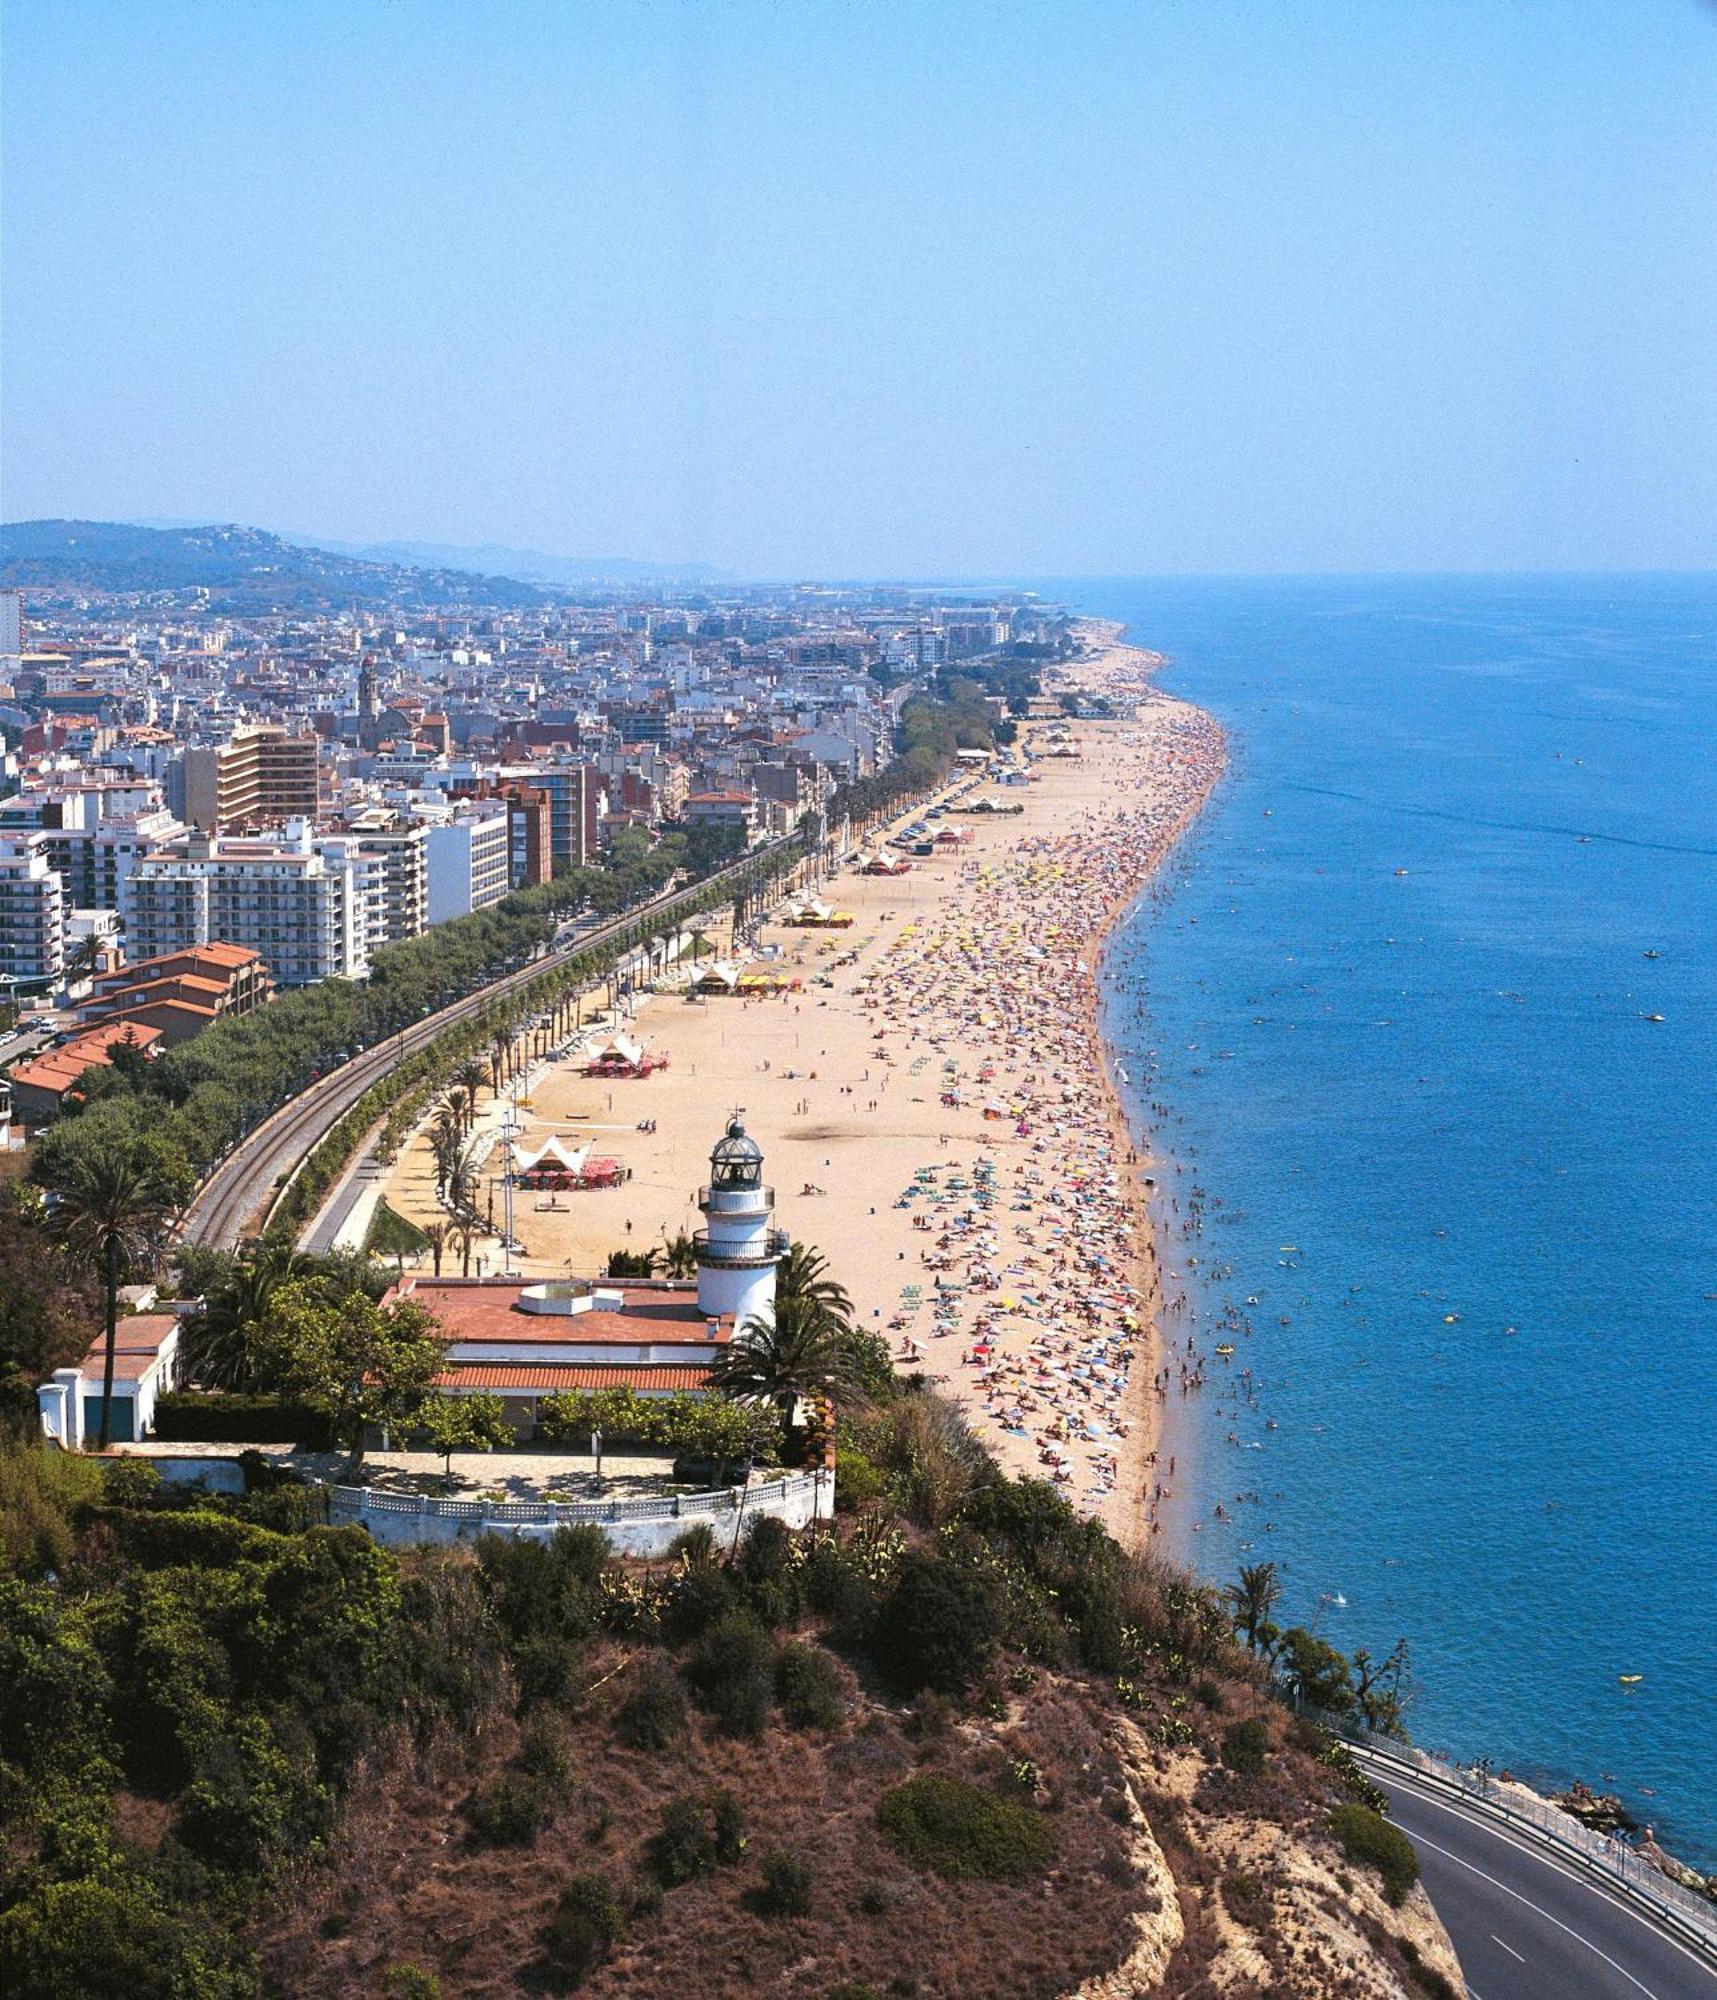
[[463, 1106], [108, 1211], [84, 959], [462, 1180], [501, 1054], [463, 1230], [436, 1234], [218, 1347], [795, 1351], [1253, 1598], [679, 1254], [471, 1075], [803, 1274]]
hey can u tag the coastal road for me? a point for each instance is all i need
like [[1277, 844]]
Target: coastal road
[[1524, 1925], [231, 1200]]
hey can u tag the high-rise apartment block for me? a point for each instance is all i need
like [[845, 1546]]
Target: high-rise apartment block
[[306, 912], [262, 777], [32, 917], [469, 861]]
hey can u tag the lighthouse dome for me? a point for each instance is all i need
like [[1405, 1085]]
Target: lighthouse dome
[[736, 1160]]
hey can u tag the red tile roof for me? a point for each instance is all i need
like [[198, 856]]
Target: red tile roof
[[137, 1339], [575, 1375], [60, 1068], [483, 1309]]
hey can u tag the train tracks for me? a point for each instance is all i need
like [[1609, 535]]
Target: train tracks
[[236, 1193]]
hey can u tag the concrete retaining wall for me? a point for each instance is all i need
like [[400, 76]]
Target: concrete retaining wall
[[634, 1527]]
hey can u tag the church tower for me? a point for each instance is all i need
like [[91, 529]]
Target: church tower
[[740, 1246]]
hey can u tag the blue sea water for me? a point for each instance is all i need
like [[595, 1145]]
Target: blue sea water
[[1394, 1000]]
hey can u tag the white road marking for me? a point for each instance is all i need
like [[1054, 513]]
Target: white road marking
[[1496, 1883], [1508, 1947], [1483, 1823]]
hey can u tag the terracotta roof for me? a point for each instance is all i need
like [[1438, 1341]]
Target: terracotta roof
[[137, 1339], [59, 1069], [471, 1309], [575, 1375]]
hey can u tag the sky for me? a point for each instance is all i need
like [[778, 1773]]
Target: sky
[[857, 288]]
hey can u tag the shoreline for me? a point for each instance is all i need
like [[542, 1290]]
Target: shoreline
[[936, 1102]]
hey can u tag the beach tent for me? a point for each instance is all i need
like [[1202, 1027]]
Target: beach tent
[[553, 1164]]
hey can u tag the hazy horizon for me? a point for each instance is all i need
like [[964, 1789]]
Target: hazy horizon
[[917, 293]]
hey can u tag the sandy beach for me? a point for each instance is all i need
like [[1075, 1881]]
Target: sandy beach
[[932, 1103]]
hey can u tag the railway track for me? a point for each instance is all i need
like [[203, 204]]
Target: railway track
[[232, 1198]]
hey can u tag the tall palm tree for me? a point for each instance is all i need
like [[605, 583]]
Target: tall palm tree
[[463, 1106], [217, 1342], [1253, 1598], [463, 1230], [803, 1274], [436, 1235], [471, 1075], [462, 1178], [109, 1211], [501, 1054], [795, 1351]]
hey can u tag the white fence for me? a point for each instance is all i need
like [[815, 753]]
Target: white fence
[[1689, 1915], [635, 1527]]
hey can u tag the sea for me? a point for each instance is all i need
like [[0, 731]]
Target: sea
[[1422, 1021]]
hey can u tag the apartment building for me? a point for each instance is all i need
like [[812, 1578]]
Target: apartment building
[[32, 916], [575, 810], [306, 912], [469, 858], [530, 835], [397, 852], [262, 777]]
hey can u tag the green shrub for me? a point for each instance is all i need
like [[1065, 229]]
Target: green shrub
[[586, 1926], [936, 1627], [858, 1479], [192, 1538], [682, 1847], [545, 1668], [809, 1687], [786, 1890], [701, 1594], [511, 1810], [410, 1982], [542, 1749], [1245, 1745], [653, 1715], [733, 1673], [957, 1831], [197, 1416], [727, 1820], [130, 1482], [1368, 1839]]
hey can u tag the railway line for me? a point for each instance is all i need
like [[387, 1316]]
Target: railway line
[[237, 1190]]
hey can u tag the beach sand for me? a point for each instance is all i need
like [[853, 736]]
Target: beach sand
[[939, 1079]]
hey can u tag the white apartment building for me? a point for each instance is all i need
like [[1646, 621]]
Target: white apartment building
[[32, 916], [306, 912], [469, 861]]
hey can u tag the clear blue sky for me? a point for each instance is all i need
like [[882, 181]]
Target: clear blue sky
[[857, 287]]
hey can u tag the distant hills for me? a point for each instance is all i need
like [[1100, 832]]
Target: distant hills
[[243, 569], [528, 565]]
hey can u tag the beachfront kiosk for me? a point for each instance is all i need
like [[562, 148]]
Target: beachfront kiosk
[[740, 1246]]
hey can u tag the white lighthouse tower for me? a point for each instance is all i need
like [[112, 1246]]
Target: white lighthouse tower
[[738, 1251]]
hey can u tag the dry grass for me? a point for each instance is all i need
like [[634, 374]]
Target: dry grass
[[408, 1884]]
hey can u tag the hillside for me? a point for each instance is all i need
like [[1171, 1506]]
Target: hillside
[[243, 569], [527, 565], [961, 1747]]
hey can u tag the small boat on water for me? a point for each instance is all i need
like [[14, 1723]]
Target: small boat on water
[[1654, 1017], [1225, 1348], [1630, 1680]]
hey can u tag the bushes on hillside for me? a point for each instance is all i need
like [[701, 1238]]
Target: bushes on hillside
[[1245, 1745], [586, 1926], [957, 1830], [653, 1714], [937, 1627], [809, 1687], [1368, 1839], [732, 1672], [197, 1416]]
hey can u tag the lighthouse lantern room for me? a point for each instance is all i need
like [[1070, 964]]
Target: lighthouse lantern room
[[739, 1246]]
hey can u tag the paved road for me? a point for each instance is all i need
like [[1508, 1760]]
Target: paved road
[[1528, 1928]]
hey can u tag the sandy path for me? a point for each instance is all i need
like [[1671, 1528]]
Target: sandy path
[[998, 1240]]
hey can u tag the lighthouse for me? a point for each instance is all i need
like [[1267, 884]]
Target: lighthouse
[[740, 1246]]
